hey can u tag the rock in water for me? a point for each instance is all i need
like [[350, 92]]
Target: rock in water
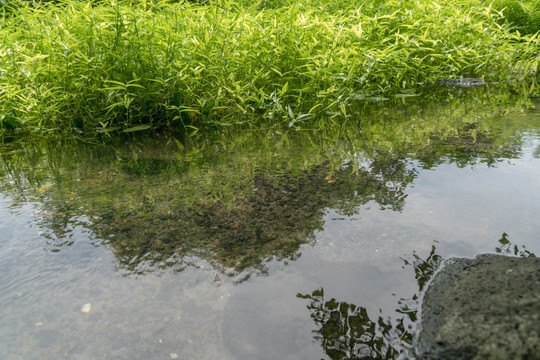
[[483, 308]]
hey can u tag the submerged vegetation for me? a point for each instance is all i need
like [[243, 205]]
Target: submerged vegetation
[[91, 67], [239, 198]]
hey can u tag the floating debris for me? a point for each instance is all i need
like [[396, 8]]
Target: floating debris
[[86, 308], [462, 82], [174, 356]]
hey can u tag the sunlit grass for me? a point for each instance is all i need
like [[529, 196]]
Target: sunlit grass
[[521, 15], [106, 67]]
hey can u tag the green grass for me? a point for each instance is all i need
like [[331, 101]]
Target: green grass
[[102, 67], [520, 15]]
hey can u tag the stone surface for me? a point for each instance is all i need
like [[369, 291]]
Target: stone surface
[[483, 308]]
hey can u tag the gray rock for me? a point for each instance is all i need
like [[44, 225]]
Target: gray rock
[[483, 308]]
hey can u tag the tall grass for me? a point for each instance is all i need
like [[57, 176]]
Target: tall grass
[[521, 15], [113, 66]]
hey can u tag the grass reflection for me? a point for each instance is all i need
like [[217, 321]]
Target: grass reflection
[[346, 331], [240, 197]]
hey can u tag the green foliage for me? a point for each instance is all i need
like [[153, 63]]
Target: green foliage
[[8, 7], [523, 16], [102, 67]]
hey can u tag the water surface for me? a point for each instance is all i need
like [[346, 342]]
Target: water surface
[[280, 243]]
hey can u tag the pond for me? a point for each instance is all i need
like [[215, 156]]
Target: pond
[[284, 242]]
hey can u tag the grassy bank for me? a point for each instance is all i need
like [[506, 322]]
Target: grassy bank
[[75, 66]]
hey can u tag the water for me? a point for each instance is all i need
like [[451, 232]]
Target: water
[[275, 244]]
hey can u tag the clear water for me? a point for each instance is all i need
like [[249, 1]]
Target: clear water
[[274, 244]]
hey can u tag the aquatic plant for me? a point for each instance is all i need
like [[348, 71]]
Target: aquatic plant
[[103, 67]]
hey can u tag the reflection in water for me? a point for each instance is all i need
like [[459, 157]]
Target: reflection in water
[[234, 199], [347, 332], [507, 248], [423, 269], [238, 199], [235, 210], [277, 215]]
